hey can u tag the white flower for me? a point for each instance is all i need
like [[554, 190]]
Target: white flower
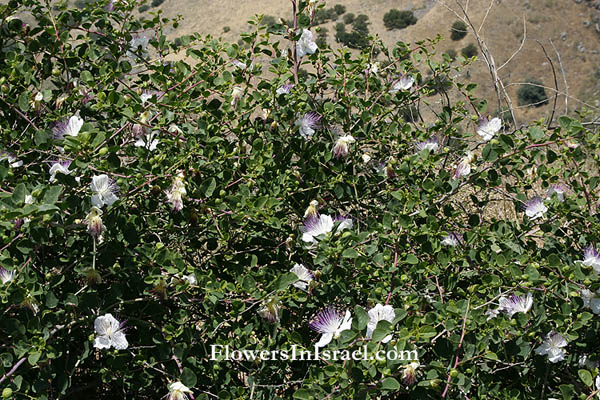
[[285, 89], [103, 189], [585, 362], [591, 258], [535, 208], [488, 128], [178, 391], [344, 223], [515, 304], [559, 190], [61, 167], [366, 158], [308, 123], [6, 275], [492, 313], [13, 162], [341, 146], [591, 300], [71, 127], [409, 375], [330, 324], [464, 166], [136, 43], [175, 196], [374, 68], [380, 313], [552, 347], [404, 83], [94, 222], [28, 199], [432, 144], [304, 275], [453, 239], [316, 226], [236, 95], [305, 45], [147, 141], [109, 333]]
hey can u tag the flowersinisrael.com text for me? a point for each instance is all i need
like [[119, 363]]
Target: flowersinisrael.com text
[[225, 353]]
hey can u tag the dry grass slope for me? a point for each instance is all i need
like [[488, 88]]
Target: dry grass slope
[[500, 23]]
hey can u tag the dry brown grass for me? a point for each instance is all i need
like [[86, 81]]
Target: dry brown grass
[[502, 31]]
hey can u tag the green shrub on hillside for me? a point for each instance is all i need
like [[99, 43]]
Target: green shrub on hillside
[[458, 30], [396, 19], [532, 93]]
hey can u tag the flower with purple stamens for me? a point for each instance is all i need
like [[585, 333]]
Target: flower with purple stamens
[[109, 333], [104, 190], [6, 275], [405, 82], [70, 127], [552, 347], [535, 208], [305, 276], [340, 149], [409, 375], [330, 322], [308, 123], [488, 128], [453, 239], [431, 144], [285, 89], [515, 304], [316, 226], [559, 189], [591, 258], [57, 167]]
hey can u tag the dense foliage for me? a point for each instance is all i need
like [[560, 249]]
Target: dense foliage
[[458, 30], [156, 196], [396, 19], [532, 93]]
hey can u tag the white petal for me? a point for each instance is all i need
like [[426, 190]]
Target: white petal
[[102, 342], [119, 341], [325, 340]]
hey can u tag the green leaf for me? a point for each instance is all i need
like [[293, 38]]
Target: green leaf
[[52, 194], [188, 377], [303, 394], [586, 377], [383, 329], [285, 280], [362, 317], [24, 101], [390, 384], [34, 357], [208, 187], [350, 253], [18, 196], [51, 300], [412, 259]]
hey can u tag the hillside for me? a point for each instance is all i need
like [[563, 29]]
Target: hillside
[[569, 25]]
